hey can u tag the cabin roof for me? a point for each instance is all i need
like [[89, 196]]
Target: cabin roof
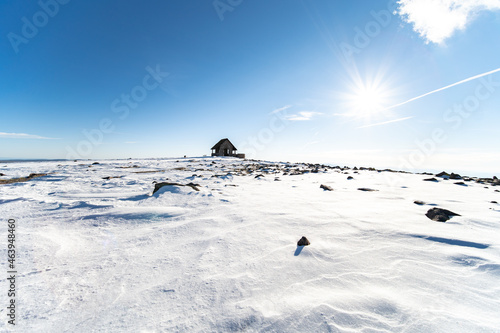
[[221, 141]]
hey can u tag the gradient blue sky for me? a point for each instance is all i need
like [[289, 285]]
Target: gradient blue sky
[[298, 80]]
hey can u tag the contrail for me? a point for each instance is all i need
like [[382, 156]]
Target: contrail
[[385, 122], [444, 88]]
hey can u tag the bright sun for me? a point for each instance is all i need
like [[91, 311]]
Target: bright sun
[[367, 99]]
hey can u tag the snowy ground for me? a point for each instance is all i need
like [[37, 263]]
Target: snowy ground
[[99, 255]]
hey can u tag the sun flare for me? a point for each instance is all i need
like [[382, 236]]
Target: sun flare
[[368, 100]]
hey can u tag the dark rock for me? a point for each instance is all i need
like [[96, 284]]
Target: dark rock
[[96, 163], [431, 180], [440, 215], [160, 185], [455, 176], [2, 174], [35, 175], [443, 174], [418, 202], [326, 187], [303, 241], [367, 189], [497, 190], [111, 177], [494, 202], [276, 179], [350, 177], [460, 183], [258, 176]]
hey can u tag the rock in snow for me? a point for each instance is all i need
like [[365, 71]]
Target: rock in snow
[[326, 187], [440, 215], [303, 241], [431, 180], [364, 189], [22, 179], [443, 174], [160, 185]]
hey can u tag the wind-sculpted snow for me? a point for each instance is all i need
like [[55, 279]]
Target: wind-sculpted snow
[[99, 252]]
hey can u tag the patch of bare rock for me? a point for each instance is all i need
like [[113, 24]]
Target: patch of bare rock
[[440, 215]]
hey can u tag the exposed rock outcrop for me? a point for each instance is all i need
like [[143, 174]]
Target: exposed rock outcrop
[[160, 185], [440, 215]]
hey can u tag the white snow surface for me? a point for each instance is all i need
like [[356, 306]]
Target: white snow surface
[[97, 255]]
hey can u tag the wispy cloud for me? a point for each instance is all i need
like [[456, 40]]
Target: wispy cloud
[[24, 136], [302, 116], [437, 20], [386, 122], [280, 109]]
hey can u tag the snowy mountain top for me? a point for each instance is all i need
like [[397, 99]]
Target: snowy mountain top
[[101, 252]]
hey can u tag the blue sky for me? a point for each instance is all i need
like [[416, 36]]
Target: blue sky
[[294, 80]]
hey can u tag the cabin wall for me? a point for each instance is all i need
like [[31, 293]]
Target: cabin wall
[[223, 147]]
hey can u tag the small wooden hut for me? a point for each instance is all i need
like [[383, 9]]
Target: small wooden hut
[[225, 148]]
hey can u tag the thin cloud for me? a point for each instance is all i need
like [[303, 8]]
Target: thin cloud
[[437, 20], [24, 136], [386, 122], [302, 116], [280, 109]]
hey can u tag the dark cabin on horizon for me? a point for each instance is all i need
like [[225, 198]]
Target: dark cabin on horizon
[[225, 148]]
